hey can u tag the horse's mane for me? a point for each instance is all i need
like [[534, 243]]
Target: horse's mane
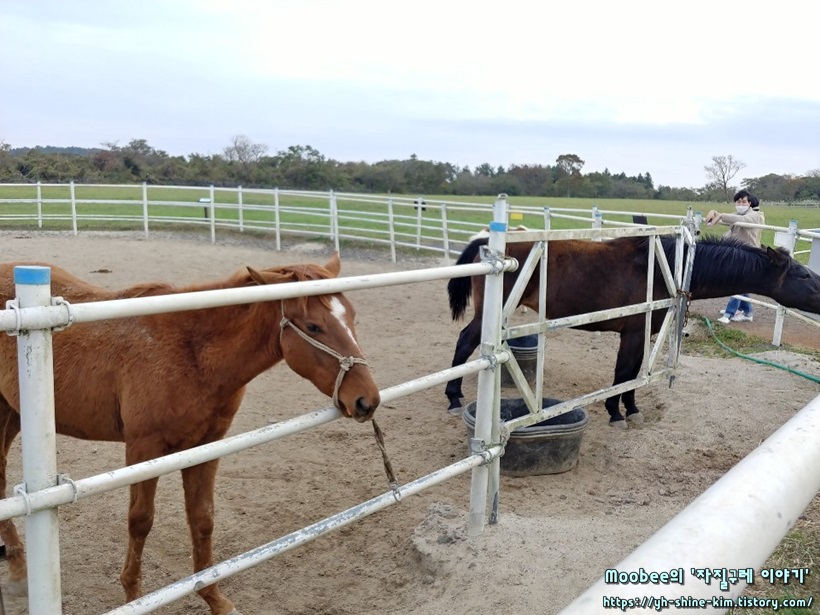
[[241, 277], [293, 273], [144, 289], [719, 260]]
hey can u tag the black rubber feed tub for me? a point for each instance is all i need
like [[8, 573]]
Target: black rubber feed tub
[[548, 447]]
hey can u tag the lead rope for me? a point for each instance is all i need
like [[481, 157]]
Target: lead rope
[[392, 481], [345, 363]]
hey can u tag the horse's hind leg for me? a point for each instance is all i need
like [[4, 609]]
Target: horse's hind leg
[[627, 366], [468, 341], [15, 552], [198, 483]]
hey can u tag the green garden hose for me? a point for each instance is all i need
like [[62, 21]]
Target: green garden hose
[[756, 360]]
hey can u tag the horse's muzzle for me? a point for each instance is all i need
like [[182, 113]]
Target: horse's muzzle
[[364, 409]]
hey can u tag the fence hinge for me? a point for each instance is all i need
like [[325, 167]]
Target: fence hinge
[[496, 259]]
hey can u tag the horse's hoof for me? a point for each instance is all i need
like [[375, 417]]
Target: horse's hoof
[[619, 424], [456, 410], [635, 417]]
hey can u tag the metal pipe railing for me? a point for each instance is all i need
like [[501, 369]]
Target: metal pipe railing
[[735, 524]]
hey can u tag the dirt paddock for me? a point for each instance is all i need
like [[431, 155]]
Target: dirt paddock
[[556, 534]]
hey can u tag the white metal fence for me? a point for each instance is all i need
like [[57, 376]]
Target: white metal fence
[[396, 222], [34, 318]]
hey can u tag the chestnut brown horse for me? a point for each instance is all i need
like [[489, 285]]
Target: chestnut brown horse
[[588, 276], [169, 382]]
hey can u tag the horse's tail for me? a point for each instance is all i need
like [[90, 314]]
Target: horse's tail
[[460, 289]]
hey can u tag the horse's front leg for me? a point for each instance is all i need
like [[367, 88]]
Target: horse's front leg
[[627, 366], [468, 341], [15, 552], [198, 483]]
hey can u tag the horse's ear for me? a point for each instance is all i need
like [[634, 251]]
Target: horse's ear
[[778, 257], [334, 265], [256, 276], [267, 277]]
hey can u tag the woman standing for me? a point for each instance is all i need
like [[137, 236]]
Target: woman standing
[[747, 210]]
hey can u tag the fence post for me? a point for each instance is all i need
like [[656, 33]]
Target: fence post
[[73, 207], [597, 220], [145, 207], [419, 208], [391, 222], [780, 312], [445, 233], [334, 220], [488, 400], [39, 442], [39, 205], [689, 221], [240, 214], [212, 215], [276, 218], [547, 219]]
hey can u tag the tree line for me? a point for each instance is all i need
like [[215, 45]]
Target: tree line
[[302, 167]]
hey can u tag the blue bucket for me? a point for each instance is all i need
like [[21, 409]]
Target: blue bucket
[[525, 351], [525, 342]]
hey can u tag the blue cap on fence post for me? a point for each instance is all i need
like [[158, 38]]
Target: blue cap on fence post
[[32, 274]]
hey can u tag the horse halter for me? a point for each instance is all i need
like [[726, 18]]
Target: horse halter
[[345, 363]]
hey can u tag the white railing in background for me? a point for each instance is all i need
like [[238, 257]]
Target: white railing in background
[[410, 222], [393, 221], [397, 222], [806, 203]]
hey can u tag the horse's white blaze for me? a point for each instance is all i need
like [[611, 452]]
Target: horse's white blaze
[[338, 310]]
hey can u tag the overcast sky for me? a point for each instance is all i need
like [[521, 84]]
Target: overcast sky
[[629, 85]]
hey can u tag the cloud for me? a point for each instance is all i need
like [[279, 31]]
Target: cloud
[[635, 86]]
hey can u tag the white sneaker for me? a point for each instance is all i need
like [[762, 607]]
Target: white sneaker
[[741, 317], [722, 311], [724, 320]]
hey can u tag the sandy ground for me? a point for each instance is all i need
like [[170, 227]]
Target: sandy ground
[[556, 534]]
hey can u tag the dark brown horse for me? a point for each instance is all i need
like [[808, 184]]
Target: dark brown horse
[[169, 382], [588, 276]]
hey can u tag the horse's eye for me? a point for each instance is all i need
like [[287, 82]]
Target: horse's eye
[[315, 329]]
